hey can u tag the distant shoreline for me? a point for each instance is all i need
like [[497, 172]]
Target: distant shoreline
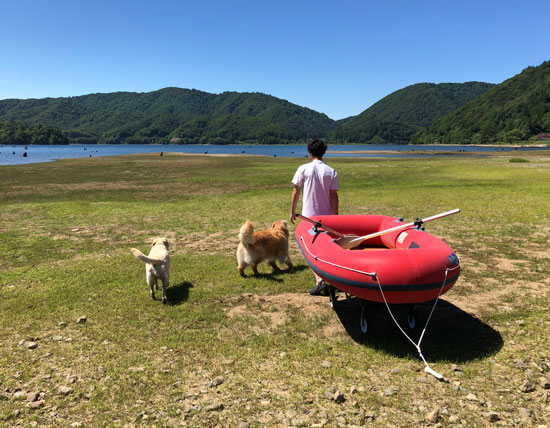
[[526, 145], [441, 152], [12, 155]]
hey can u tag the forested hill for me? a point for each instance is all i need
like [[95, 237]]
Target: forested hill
[[188, 116], [171, 115], [515, 110], [396, 117]]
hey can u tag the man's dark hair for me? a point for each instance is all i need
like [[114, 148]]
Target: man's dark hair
[[317, 147]]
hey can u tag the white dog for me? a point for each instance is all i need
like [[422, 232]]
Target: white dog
[[157, 265]]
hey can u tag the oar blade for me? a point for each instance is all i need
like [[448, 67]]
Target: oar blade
[[347, 242]]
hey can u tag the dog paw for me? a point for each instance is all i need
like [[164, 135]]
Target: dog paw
[[164, 300]]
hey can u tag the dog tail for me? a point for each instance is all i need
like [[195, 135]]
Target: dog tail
[[246, 234], [146, 259]]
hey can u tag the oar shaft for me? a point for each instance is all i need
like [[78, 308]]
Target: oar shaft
[[402, 226], [445, 214], [319, 224], [380, 233]]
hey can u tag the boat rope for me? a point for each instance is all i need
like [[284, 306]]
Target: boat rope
[[374, 275], [371, 274], [427, 369]]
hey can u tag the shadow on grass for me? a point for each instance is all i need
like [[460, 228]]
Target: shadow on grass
[[274, 276], [452, 334], [179, 293]]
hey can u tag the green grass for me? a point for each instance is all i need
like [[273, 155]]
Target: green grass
[[66, 229]]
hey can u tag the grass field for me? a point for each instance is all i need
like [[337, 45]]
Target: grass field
[[240, 352]]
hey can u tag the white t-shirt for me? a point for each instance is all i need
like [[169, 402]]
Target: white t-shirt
[[316, 179]]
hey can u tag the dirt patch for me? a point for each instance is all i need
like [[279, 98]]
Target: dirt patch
[[278, 309], [472, 265], [224, 243], [499, 293], [210, 243], [98, 233], [151, 191], [542, 254], [510, 265], [52, 189], [15, 215]]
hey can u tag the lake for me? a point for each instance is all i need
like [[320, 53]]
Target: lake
[[14, 155]]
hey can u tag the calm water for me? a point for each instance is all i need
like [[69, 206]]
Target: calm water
[[13, 155]]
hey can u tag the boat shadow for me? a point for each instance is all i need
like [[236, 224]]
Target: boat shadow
[[452, 334]]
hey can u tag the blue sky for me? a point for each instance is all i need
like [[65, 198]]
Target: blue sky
[[336, 57]]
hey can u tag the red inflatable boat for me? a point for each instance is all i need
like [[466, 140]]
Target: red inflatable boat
[[405, 266]]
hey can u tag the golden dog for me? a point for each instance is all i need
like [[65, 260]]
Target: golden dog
[[265, 245], [157, 265]]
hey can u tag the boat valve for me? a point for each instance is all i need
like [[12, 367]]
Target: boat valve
[[419, 224]]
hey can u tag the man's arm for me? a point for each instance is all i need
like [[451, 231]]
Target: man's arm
[[334, 201], [295, 199]]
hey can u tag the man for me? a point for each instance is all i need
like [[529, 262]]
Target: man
[[319, 185]]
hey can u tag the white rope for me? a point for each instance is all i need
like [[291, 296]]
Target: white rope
[[427, 369], [371, 274]]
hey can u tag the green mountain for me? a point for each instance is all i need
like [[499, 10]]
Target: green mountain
[[396, 117], [185, 116], [171, 115], [516, 110]]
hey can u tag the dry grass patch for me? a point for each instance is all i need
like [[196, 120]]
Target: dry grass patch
[[267, 312], [210, 243], [493, 293]]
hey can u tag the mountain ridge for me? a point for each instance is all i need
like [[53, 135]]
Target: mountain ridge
[[154, 117], [516, 110], [403, 112], [419, 113]]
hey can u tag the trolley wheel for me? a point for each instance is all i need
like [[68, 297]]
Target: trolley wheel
[[332, 297], [411, 320], [363, 320], [363, 324]]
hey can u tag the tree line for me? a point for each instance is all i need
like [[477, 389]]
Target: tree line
[[12, 133]]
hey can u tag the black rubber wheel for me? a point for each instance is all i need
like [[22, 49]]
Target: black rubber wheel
[[332, 297], [411, 320], [363, 324]]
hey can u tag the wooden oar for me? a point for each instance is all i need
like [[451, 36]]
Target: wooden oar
[[348, 242]]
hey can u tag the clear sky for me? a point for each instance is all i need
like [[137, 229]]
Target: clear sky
[[336, 57]]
